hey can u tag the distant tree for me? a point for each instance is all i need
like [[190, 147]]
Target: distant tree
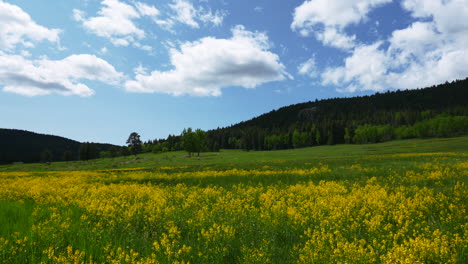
[[67, 155], [104, 154], [93, 151], [317, 137], [157, 148], [330, 139], [88, 151], [296, 139], [114, 151], [124, 151], [200, 141], [165, 146], [193, 141], [134, 143], [46, 156], [83, 152], [347, 136], [189, 141]]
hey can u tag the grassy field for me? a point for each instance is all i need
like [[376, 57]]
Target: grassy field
[[396, 202], [253, 159]]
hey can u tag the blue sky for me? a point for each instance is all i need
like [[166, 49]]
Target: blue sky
[[99, 70]]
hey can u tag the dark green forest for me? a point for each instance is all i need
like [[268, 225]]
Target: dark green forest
[[437, 111], [24, 146]]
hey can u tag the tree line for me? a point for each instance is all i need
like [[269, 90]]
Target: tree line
[[389, 115]]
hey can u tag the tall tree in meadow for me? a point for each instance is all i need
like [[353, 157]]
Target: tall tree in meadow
[[200, 140], [193, 141], [189, 141], [134, 143]]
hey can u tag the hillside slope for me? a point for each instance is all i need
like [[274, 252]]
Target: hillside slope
[[24, 146], [326, 121]]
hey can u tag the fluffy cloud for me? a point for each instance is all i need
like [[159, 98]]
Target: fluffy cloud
[[204, 67], [433, 49], [17, 27], [327, 19], [40, 77], [115, 21], [367, 67]]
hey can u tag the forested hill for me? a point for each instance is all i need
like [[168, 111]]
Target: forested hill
[[25, 146], [334, 121]]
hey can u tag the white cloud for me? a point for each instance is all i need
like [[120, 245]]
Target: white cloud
[[431, 50], [414, 42], [25, 53], [143, 47], [207, 17], [367, 66], [204, 67], [79, 15], [308, 68], [335, 38], [186, 13], [17, 27], [328, 19], [450, 66], [115, 21], [44, 76], [140, 70], [146, 10]]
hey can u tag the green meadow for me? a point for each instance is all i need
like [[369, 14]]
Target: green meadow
[[252, 159], [394, 202]]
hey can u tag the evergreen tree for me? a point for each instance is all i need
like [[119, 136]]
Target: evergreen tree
[[134, 143]]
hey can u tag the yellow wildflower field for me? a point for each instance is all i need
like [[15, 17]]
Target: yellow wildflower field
[[339, 213]]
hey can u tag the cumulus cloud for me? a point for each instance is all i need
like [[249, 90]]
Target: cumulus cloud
[[115, 21], [17, 27], [328, 19], [204, 67], [367, 67], [433, 49], [41, 77]]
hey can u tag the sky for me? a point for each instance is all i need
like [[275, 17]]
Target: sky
[[98, 70]]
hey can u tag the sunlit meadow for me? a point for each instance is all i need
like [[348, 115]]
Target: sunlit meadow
[[386, 208]]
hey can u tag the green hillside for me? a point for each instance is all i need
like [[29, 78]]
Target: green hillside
[[330, 121], [437, 111], [25, 146]]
